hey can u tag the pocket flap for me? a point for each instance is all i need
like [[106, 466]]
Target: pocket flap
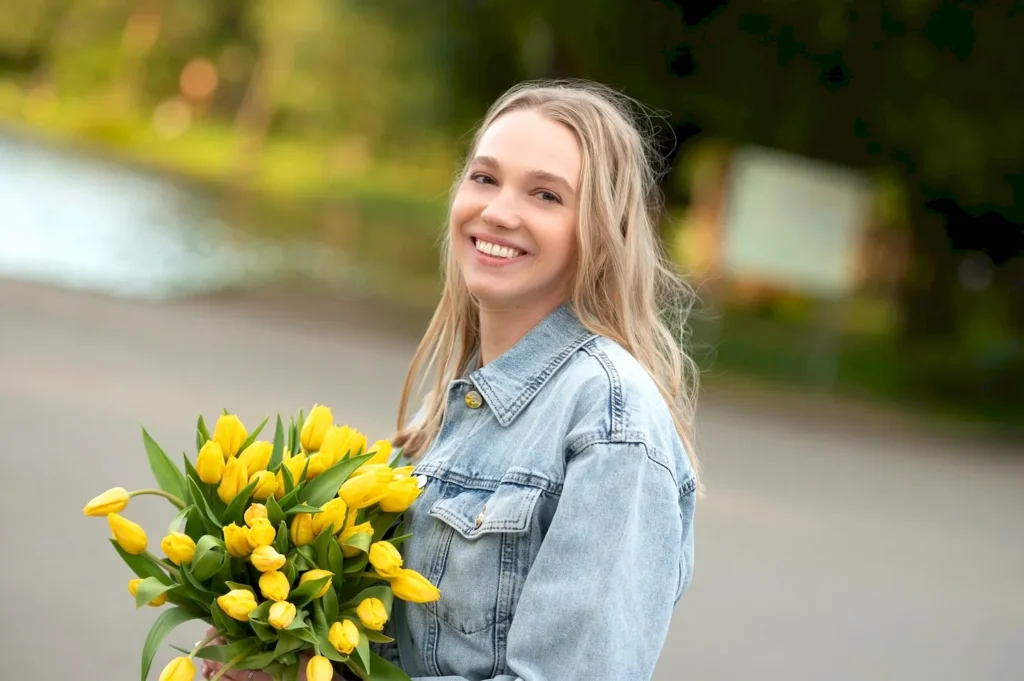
[[473, 513]]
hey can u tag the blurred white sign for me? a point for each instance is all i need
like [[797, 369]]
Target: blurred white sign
[[794, 221]]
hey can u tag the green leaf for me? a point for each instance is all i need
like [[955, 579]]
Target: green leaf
[[330, 606], [252, 436], [175, 524], [386, 671], [163, 625], [142, 565], [356, 564], [223, 653], [382, 523], [264, 631], [149, 589], [202, 434], [360, 541], [395, 541], [293, 437], [226, 623], [236, 509], [396, 457], [166, 474], [377, 637], [244, 587], [287, 643], [304, 594], [291, 672], [324, 487], [192, 583], [274, 513], [212, 523], [320, 544], [381, 591], [299, 622], [258, 660], [363, 651], [335, 562], [291, 498], [308, 554], [319, 617], [302, 508], [190, 474], [277, 456]]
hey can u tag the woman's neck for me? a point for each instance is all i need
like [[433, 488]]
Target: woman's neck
[[502, 326]]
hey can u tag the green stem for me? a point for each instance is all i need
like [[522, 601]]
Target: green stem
[[370, 575], [159, 493], [204, 642], [230, 664], [164, 565]]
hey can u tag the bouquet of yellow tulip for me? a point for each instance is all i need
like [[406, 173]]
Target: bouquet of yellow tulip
[[285, 548]]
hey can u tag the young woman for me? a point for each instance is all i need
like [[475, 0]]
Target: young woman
[[559, 485]]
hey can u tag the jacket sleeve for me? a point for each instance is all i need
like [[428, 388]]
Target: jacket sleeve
[[616, 559]]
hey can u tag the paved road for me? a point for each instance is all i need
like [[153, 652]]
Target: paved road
[[826, 551]]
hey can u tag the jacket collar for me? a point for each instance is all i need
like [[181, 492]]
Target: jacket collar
[[512, 380]]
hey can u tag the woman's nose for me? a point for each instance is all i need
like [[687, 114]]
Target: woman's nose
[[502, 212]]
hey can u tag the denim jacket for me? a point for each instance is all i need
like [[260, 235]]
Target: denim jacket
[[556, 519]]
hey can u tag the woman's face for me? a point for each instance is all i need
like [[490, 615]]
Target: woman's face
[[513, 219]]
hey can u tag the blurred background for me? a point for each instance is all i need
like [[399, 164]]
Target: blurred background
[[238, 204]]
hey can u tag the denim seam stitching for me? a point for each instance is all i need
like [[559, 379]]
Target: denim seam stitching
[[616, 403]]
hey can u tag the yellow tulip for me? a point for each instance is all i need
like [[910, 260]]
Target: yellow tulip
[[348, 533], [114, 500], [301, 531], [403, 472], [179, 669], [411, 586], [133, 588], [179, 547], [236, 539], [281, 614], [266, 485], [382, 453], [230, 434], [317, 465], [210, 463], [274, 586], [385, 558], [401, 493], [237, 604], [372, 614], [256, 456], [262, 533], [342, 442], [255, 511], [313, 575], [344, 636], [295, 465], [319, 668], [130, 536], [331, 513], [267, 559], [366, 488], [315, 427], [233, 482]]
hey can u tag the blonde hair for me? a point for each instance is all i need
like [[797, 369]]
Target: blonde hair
[[624, 288]]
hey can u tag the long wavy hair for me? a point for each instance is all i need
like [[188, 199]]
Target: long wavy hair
[[624, 288]]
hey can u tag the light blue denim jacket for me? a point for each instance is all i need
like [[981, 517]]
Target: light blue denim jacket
[[556, 519]]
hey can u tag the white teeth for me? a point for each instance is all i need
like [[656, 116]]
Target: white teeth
[[495, 250]]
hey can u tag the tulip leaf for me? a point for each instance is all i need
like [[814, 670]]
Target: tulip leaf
[[290, 499], [325, 538], [149, 589], [191, 583], [277, 454], [319, 616], [236, 509], [281, 540], [264, 631], [142, 565], [223, 653], [190, 474], [243, 587], [224, 622], [252, 436], [175, 525], [324, 487], [257, 660], [202, 434], [377, 637], [363, 651], [287, 643], [382, 523], [381, 592], [293, 437], [274, 513], [395, 541], [291, 672], [166, 474], [213, 525], [305, 593], [262, 610], [163, 625], [335, 561], [303, 508], [330, 605], [386, 671], [360, 540], [358, 563]]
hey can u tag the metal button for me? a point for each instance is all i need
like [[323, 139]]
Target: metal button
[[473, 400], [480, 518], [421, 481]]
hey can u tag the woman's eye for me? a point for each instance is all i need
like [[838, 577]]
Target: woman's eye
[[548, 197], [480, 178]]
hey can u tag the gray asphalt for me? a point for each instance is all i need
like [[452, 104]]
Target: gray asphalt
[[841, 549]]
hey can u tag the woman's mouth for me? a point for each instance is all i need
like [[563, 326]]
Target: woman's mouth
[[496, 250]]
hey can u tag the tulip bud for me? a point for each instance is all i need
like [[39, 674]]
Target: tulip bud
[[315, 427], [114, 500], [130, 536], [233, 482], [319, 668], [267, 559], [335, 444], [229, 433], [256, 456], [313, 575], [209, 557], [344, 636], [237, 604], [403, 472], [372, 614], [411, 586], [266, 485], [366, 486], [281, 613], [351, 531], [295, 465], [236, 539], [262, 533], [178, 547], [385, 558], [317, 465], [179, 669], [332, 513], [133, 588], [301, 531], [401, 493], [382, 453], [274, 586], [255, 511], [210, 463]]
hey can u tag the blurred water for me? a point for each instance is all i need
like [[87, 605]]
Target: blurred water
[[81, 222]]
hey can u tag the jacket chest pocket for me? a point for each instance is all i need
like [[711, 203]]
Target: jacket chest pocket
[[483, 553]]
